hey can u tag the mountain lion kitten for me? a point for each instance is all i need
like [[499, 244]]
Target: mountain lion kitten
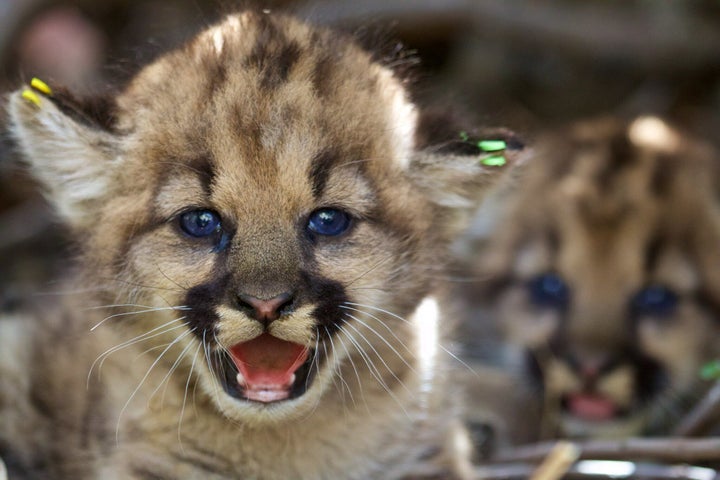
[[602, 266], [261, 215]]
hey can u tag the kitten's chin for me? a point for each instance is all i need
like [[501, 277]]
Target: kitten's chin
[[621, 427]]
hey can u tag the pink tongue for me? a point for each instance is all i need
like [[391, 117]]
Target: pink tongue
[[591, 407], [268, 362]]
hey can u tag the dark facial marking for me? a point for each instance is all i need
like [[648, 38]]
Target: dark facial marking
[[205, 169], [97, 112], [322, 76], [273, 55], [328, 295], [250, 133], [620, 157], [652, 254], [286, 59], [202, 300], [320, 170], [216, 74]]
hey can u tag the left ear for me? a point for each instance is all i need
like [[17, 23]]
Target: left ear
[[69, 146], [455, 168]]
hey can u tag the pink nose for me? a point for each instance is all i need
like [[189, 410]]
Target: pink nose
[[265, 311]]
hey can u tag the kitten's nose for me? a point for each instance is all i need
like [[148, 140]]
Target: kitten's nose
[[265, 311]]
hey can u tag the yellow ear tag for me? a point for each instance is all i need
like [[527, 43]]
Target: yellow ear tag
[[40, 86], [31, 96]]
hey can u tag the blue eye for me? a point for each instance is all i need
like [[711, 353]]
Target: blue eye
[[200, 223], [549, 291], [329, 222], [656, 301]]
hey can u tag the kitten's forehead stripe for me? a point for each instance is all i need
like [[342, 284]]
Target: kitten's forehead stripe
[[277, 72], [320, 168], [322, 76], [653, 250], [273, 55], [205, 170]]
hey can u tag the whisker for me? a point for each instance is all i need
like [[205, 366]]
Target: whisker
[[187, 385], [142, 381], [372, 347], [316, 364], [182, 287], [138, 312], [377, 265], [141, 285], [98, 307], [352, 364], [346, 307], [167, 375], [223, 351], [140, 338], [384, 341], [206, 349], [145, 352], [439, 345], [373, 370], [338, 373]]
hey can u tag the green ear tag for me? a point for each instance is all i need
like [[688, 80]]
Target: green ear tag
[[711, 370], [464, 136], [494, 161], [491, 145]]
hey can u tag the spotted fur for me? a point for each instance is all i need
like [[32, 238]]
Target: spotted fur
[[609, 208], [262, 120]]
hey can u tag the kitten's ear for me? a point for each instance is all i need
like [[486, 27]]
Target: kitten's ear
[[69, 146], [455, 168]]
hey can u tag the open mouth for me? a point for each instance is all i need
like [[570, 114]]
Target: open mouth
[[267, 369], [590, 406], [593, 406]]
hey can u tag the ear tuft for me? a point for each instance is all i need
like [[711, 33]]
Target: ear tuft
[[68, 149], [456, 167], [444, 132]]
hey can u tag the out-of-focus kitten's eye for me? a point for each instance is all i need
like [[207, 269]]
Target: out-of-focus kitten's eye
[[328, 222], [200, 223], [656, 301], [549, 291]]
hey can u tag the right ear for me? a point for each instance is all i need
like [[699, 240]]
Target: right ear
[[69, 151], [456, 167]]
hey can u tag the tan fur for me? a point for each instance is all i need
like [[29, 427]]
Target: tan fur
[[263, 120], [610, 207]]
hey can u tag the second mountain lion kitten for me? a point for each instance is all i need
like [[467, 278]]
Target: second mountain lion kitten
[[260, 215], [603, 268]]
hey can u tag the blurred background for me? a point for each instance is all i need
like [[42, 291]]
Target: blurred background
[[522, 64]]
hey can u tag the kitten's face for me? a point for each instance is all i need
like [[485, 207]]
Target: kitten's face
[[262, 190], [270, 209], [605, 278], [276, 209]]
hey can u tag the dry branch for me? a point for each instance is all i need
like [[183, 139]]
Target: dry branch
[[672, 449], [589, 469], [703, 416], [557, 462]]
